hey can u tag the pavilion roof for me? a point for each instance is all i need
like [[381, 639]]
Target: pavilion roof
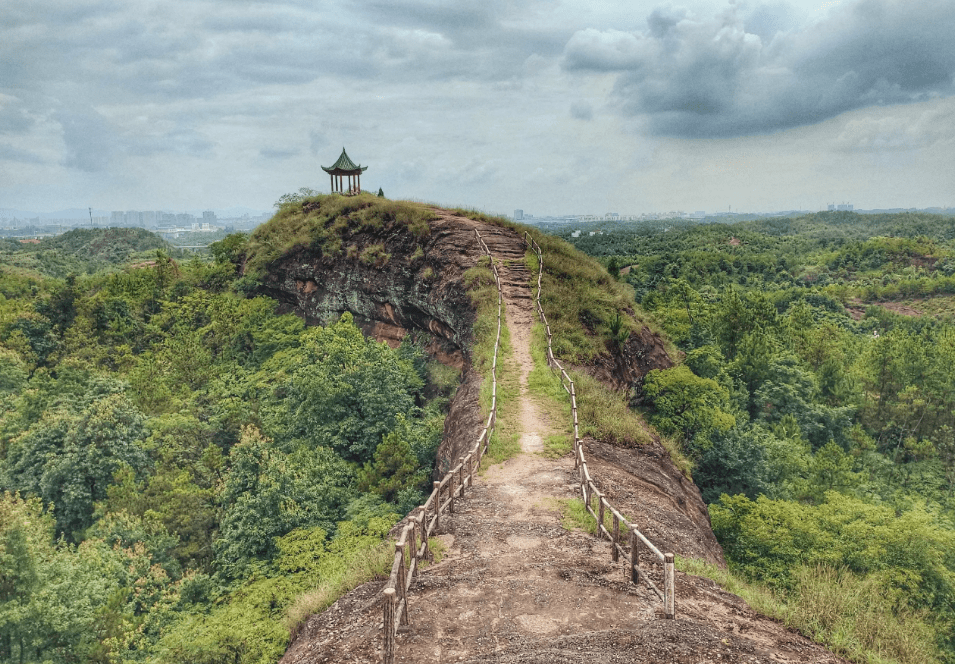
[[344, 166]]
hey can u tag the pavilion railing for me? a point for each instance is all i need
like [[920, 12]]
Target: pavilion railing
[[411, 546], [595, 501]]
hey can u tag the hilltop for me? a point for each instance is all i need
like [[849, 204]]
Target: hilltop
[[403, 269]]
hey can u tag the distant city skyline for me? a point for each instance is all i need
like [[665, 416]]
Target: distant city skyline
[[602, 105]]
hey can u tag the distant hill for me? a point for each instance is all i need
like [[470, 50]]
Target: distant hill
[[105, 245], [83, 250]]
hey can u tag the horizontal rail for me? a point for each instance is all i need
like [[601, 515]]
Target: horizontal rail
[[441, 501], [587, 486]]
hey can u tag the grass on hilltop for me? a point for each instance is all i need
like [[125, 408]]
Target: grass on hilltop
[[324, 221], [580, 298]]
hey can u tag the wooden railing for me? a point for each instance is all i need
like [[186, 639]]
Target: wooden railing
[[595, 502], [412, 544]]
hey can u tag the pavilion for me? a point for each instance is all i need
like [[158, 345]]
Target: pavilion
[[345, 167]]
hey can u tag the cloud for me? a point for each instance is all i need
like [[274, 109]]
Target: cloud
[[909, 129], [10, 153], [582, 110], [610, 50], [14, 118], [90, 140], [316, 142], [270, 153], [722, 77]]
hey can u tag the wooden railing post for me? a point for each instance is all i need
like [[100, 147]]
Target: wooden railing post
[[669, 610], [634, 558], [451, 491], [402, 582], [388, 642], [437, 505], [423, 522], [600, 514], [413, 544], [614, 555]]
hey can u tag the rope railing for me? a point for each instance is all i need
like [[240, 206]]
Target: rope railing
[[595, 501], [412, 544]]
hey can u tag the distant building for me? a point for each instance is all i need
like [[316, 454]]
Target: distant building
[[841, 207], [117, 218], [518, 215], [208, 217]]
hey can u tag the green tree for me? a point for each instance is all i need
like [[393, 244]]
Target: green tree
[[269, 493], [394, 467], [69, 459], [348, 391], [686, 404]]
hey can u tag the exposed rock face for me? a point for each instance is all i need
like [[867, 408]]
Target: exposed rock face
[[630, 362], [408, 284], [415, 285], [418, 288], [642, 481]]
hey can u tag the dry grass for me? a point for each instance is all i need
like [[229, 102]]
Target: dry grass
[[851, 615], [364, 566], [324, 221], [505, 443], [605, 415]]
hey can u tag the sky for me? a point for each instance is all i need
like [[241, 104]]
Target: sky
[[551, 106]]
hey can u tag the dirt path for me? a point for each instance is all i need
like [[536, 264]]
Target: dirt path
[[506, 542], [516, 586]]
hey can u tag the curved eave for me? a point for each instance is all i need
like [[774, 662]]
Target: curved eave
[[341, 171]]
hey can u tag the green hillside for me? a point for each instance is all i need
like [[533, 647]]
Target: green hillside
[[84, 251], [816, 404]]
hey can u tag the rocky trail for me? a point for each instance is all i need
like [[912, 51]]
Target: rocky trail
[[515, 585]]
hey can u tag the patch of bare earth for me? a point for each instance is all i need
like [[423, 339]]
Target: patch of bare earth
[[516, 586], [857, 310]]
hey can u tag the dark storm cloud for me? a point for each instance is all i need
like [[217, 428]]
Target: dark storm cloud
[[692, 77]]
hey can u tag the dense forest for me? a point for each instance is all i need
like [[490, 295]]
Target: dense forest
[[184, 474], [816, 401]]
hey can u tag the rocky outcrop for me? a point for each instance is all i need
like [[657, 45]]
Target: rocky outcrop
[[392, 282], [670, 511], [626, 365], [396, 283]]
